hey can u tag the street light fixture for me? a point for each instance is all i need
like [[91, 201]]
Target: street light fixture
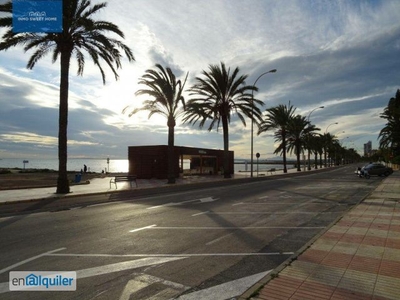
[[252, 120], [330, 125], [308, 137]]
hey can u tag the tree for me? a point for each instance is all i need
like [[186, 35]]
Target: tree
[[389, 136], [328, 142], [299, 129], [316, 146], [166, 96], [81, 33], [278, 118], [219, 94]]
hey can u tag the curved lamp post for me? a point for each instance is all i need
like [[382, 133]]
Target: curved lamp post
[[326, 130], [308, 121], [252, 120]]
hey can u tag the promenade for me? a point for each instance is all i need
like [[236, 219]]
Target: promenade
[[102, 185]]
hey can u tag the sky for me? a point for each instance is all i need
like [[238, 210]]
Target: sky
[[343, 55]]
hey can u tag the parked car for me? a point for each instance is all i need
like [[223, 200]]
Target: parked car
[[374, 169]]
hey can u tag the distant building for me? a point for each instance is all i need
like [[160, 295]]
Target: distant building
[[152, 161], [368, 149]]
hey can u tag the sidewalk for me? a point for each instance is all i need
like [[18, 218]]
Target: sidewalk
[[356, 258], [102, 185], [97, 186]]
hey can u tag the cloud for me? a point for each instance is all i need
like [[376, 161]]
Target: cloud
[[340, 54]]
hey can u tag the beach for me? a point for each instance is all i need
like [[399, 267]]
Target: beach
[[21, 179]]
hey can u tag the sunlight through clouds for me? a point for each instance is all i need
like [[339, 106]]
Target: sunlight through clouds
[[340, 54]]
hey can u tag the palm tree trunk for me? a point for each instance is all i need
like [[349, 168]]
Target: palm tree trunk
[[284, 152], [225, 128], [171, 152], [316, 160], [320, 160], [298, 153], [62, 181]]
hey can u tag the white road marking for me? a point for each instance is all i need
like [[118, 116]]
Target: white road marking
[[208, 199], [260, 213], [202, 200], [183, 255], [218, 239], [240, 203], [235, 228], [143, 228], [29, 259], [131, 287], [267, 203], [125, 265], [226, 290], [111, 268], [143, 280], [263, 197], [201, 213]]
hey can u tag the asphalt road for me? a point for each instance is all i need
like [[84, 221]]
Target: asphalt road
[[204, 243]]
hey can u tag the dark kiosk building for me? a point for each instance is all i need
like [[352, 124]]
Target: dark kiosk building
[[152, 161]]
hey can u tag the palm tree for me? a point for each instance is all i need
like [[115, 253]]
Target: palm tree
[[328, 142], [166, 96], [316, 146], [298, 130], [389, 136], [311, 144], [218, 95], [80, 33], [278, 118]]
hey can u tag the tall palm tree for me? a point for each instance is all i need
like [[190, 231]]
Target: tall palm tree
[[298, 130], [219, 94], [80, 33], [277, 118], [328, 142], [389, 136], [316, 147], [166, 96], [311, 144]]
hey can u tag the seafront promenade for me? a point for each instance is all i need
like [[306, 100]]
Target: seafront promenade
[[102, 185]]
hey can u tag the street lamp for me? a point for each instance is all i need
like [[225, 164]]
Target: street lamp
[[325, 144], [339, 132], [308, 136], [330, 125], [252, 119]]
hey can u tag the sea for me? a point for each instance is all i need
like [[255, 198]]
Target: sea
[[113, 166]]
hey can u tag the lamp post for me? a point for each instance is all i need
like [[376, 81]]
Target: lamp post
[[308, 136], [326, 130], [252, 120], [325, 144]]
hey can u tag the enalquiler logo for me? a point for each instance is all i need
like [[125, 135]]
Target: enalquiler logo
[[42, 281]]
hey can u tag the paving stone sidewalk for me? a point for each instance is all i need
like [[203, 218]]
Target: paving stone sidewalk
[[357, 258]]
